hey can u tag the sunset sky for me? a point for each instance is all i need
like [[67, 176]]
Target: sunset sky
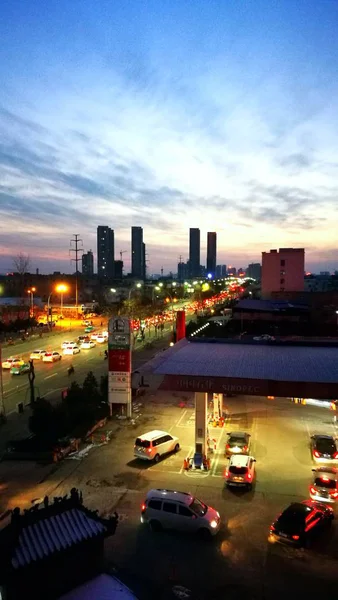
[[173, 114]]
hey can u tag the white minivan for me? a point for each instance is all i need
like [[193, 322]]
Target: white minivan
[[152, 445], [167, 509]]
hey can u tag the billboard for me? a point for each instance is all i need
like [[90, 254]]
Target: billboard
[[119, 362]]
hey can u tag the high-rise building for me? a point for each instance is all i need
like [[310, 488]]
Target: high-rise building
[[182, 271], [240, 272], [283, 270], [137, 252], [118, 269], [232, 271], [221, 271], [105, 252], [211, 252], [254, 271], [88, 264], [194, 252]]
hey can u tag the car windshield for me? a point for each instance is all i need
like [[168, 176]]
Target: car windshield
[[325, 482], [198, 507], [238, 470], [236, 440], [142, 443], [326, 446]]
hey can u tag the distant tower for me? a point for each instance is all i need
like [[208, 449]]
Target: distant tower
[[137, 252], [105, 252], [194, 252], [211, 253]]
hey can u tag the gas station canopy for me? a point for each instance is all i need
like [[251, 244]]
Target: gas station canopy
[[281, 369]]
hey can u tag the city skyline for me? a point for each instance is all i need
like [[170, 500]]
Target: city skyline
[[207, 116]]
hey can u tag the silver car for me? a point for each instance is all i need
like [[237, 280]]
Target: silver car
[[324, 486]]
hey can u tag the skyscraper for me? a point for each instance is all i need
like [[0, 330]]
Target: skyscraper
[[211, 253], [137, 252], [144, 262], [88, 264], [194, 252], [105, 252]]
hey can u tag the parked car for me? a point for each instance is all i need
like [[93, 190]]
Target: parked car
[[37, 354], [89, 329], [52, 357], [101, 339], [13, 361], [20, 369], [264, 338], [154, 444], [300, 521], [168, 509], [67, 344], [238, 443], [323, 448], [87, 345], [240, 471], [324, 486], [83, 338]]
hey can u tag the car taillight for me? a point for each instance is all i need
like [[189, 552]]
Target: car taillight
[[316, 453], [249, 476], [227, 446], [143, 507], [245, 448], [335, 455], [312, 490], [334, 494], [226, 473], [295, 537], [272, 527], [149, 450]]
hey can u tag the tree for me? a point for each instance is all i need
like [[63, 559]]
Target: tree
[[21, 264], [42, 422], [90, 389]]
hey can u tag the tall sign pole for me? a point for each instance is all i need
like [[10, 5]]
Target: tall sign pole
[[119, 363]]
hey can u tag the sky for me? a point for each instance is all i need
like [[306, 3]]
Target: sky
[[169, 114]]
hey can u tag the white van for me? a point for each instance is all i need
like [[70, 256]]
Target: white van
[[152, 445], [167, 509]]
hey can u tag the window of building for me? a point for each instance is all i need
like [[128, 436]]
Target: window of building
[[282, 281], [282, 262]]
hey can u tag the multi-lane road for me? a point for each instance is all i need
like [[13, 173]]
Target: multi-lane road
[[51, 378]]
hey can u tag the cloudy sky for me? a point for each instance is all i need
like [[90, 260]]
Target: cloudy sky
[[169, 114]]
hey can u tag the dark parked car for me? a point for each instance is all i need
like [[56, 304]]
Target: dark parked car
[[298, 523], [238, 443], [323, 448]]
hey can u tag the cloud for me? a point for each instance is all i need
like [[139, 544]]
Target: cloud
[[132, 151]]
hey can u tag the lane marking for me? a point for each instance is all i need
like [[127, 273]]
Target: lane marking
[[49, 376], [181, 417]]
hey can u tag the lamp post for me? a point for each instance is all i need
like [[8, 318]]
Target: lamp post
[[61, 288], [31, 297]]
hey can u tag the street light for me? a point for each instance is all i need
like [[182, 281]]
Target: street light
[[30, 293], [138, 286], [61, 289]]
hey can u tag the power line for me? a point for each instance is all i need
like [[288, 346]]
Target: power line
[[76, 240]]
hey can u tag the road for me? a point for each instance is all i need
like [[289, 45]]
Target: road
[[110, 479], [51, 378]]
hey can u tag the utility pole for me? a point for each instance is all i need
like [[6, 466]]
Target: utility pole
[[161, 271], [76, 241]]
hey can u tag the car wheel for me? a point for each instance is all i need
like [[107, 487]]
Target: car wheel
[[204, 534], [177, 447], [155, 526], [156, 458]]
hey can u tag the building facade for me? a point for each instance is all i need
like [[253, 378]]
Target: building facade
[[194, 252], [105, 252], [137, 252], [283, 270], [211, 252], [88, 264]]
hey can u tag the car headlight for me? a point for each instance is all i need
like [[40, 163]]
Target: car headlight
[[213, 524]]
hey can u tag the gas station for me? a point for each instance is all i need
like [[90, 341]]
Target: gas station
[[215, 368]]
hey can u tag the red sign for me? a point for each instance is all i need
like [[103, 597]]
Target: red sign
[[180, 325], [119, 360]]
